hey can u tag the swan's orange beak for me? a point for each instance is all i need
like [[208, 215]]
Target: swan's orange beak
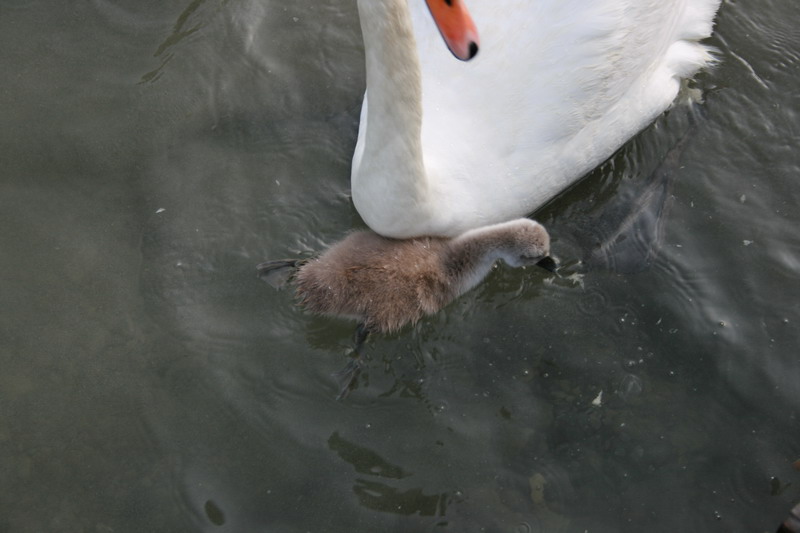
[[456, 27]]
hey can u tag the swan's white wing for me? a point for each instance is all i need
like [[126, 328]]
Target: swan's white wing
[[557, 86]]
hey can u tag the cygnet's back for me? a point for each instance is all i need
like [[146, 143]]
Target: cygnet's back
[[383, 282]]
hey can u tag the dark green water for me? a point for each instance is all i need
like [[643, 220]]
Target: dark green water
[[152, 153]]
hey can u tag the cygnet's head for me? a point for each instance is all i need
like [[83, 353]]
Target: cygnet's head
[[519, 242], [527, 243]]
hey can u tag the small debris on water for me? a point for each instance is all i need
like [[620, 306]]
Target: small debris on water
[[598, 401]]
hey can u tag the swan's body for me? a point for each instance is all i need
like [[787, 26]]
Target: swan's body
[[557, 87], [385, 284]]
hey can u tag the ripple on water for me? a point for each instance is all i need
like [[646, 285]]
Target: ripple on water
[[593, 302], [131, 17], [630, 386], [527, 527], [19, 4]]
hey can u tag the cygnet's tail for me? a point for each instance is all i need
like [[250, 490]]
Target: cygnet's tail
[[278, 273]]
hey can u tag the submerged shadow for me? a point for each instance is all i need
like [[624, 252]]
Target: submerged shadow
[[380, 496]]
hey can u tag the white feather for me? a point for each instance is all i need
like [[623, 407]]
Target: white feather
[[557, 87]]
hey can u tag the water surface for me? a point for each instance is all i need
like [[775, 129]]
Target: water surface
[[153, 153]]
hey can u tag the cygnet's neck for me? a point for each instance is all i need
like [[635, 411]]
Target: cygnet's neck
[[471, 255]]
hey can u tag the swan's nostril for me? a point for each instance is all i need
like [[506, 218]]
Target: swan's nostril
[[473, 50]]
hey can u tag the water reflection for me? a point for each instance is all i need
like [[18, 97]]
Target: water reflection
[[625, 233], [363, 460], [142, 356], [381, 496], [179, 32], [19, 4], [214, 513]]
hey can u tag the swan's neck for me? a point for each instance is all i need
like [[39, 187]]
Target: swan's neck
[[393, 72], [391, 167]]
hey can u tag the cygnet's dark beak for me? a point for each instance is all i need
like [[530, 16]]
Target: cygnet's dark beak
[[548, 263]]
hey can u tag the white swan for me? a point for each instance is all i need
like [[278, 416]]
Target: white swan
[[558, 85]]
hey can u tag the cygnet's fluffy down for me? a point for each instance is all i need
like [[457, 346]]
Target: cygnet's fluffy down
[[386, 283]]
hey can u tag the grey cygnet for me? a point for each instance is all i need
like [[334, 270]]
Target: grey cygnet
[[385, 284]]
